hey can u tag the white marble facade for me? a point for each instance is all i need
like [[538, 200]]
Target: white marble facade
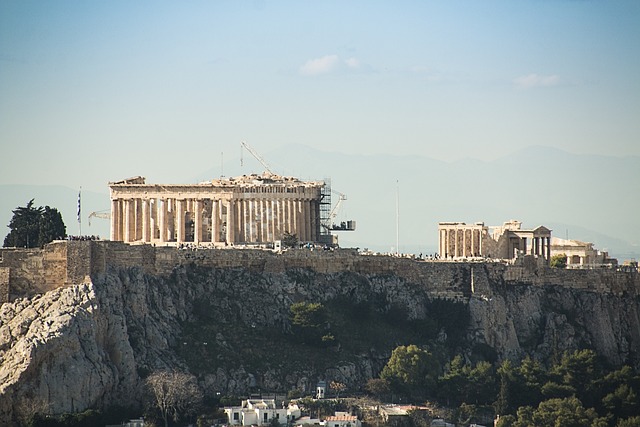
[[246, 209]]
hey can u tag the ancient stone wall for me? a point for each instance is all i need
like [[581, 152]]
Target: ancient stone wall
[[26, 270], [62, 263], [4, 284], [55, 266]]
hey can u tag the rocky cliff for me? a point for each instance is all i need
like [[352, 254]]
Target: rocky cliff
[[90, 344]]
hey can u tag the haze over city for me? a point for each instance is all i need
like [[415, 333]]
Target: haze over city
[[100, 91]]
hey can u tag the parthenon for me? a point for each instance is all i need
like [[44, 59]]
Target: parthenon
[[246, 209]]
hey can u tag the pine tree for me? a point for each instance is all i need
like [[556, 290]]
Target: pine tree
[[32, 226]]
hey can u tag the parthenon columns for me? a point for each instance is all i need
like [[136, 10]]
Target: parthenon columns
[[197, 235], [197, 220]]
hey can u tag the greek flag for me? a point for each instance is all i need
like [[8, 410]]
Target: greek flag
[[79, 209]]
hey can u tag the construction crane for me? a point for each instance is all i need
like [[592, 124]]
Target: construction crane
[[259, 158], [336, 208], [104, 214], [343, 226]]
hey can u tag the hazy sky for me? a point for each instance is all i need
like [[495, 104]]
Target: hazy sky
[[96, 91]]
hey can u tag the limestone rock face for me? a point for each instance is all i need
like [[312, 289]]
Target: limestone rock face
[[88, 345], [63, 348], [541, 320]]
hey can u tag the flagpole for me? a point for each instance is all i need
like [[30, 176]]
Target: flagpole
[[79, 212], [397, 217]]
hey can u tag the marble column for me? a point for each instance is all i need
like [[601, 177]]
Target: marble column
[[455, 243], [197, 233], [238, 222], [250, 221], [137, 215], [299, 220], [113, 234], [548, 248], [306, 204], [287, 217], [215, 221], [260, 220], [162, 223], [313, 221], [464, 242], [127, 221], [179, 218], [146, 221], [473, 249], [231, 220], [246, 220]]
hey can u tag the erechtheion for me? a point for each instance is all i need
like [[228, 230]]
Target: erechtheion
[[461, 240]]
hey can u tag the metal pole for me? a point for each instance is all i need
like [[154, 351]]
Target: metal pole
[[397, 217], [79, 212]]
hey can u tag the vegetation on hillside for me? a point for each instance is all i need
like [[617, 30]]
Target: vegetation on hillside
[[429, 360], [575, 391]]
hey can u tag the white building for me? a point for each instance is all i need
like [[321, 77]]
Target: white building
[[579, 253], [308, 421], [260, 412], [342, 419], [321, 389]]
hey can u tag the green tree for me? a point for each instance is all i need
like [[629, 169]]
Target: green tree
[[524, 417], [51, 226], [24, 227], [558, 261], [308, 321], [617, 391], [507, 376], [377, 387], [577, 372], [454, 382], [482, 384], [530, 377], [506, 421], [32, 226], [411, 370], [289, 240], [622, 402], [567, 412], [466, 384], [629, 422]]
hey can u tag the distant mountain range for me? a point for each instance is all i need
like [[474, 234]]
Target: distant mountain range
[[402, 198]]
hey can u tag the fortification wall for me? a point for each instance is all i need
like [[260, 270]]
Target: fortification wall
[[4, 284], [25, 272]]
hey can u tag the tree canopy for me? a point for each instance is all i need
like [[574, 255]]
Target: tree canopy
[[558, 261], [289, 240], [308, 321], [410, 368], [32, 227], [174, 394]]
